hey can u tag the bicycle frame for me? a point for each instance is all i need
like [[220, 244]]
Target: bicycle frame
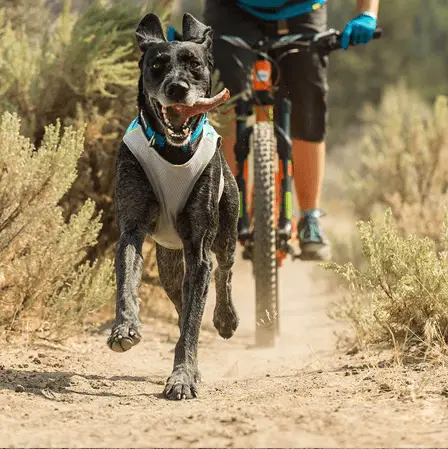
[[264, 103]]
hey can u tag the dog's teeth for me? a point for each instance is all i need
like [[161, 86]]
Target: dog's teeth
[[164, 110], [186, 130], [170, 131]]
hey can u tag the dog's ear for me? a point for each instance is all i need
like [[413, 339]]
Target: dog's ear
[[149, 30], [195, 31]]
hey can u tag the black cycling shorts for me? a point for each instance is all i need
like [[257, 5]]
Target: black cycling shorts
[[303, 76]]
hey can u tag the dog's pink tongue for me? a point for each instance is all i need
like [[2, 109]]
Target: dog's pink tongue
[[202, 106]]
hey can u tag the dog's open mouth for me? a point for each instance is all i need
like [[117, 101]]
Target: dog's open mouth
[[180, 119]]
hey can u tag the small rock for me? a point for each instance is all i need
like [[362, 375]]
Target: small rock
[[353, 351], [385, 387], [268, 375], [19, 389], [36, 361]]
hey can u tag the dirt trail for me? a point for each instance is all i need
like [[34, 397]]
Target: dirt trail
[[302, 393]]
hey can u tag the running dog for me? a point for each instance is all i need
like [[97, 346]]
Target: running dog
[[173, 184]]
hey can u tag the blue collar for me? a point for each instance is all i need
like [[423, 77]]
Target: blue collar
[[160, 140]]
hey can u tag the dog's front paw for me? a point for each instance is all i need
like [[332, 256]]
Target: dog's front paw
[[225, 320], [181, 385], [123, 337]]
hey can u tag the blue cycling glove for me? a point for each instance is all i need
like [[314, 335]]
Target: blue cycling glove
[[359, 30], [170, 33]]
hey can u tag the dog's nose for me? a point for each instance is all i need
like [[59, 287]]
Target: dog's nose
[[176, 91]]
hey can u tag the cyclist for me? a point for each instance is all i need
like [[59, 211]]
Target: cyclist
[[304, 81]]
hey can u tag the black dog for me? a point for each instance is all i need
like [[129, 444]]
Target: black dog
[[174, 94]]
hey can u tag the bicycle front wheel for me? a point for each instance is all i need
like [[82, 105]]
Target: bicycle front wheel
[[264, 257]]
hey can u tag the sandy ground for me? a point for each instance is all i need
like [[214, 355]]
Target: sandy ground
[[303, 393]]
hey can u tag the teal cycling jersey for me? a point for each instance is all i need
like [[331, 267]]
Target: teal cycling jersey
[[279, 9]]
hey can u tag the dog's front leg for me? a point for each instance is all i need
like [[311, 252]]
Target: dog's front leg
[[137, 212], [181, 384], [128, 265]]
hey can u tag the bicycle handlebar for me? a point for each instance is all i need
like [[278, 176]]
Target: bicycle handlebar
[[324, 42]]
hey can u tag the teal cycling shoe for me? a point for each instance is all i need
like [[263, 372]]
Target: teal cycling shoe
[[314, 245]]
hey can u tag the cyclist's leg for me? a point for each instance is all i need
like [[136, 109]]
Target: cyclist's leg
[[226, 18], [304, 81]]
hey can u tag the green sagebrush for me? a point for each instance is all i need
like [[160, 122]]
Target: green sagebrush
[[400, 296], [47, 287], [404, 162]]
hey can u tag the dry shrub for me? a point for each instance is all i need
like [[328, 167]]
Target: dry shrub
[[404, 163], [400, 297], [397, 292], [47, 285], [33, 14], [399, 161], [82, 67]]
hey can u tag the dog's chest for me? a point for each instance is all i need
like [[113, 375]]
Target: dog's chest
[[172, 184]]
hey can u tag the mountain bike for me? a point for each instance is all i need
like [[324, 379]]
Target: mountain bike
[[265, 227]]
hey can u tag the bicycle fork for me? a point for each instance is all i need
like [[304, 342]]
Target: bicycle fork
[[284, 149]]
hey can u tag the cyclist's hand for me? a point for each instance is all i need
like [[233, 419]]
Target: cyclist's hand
[[359, 30]]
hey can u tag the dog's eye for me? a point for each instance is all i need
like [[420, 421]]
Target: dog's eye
[[156, 66], [195, 64]]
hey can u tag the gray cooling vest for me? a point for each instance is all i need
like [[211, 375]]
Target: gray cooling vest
[[172, 184]]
